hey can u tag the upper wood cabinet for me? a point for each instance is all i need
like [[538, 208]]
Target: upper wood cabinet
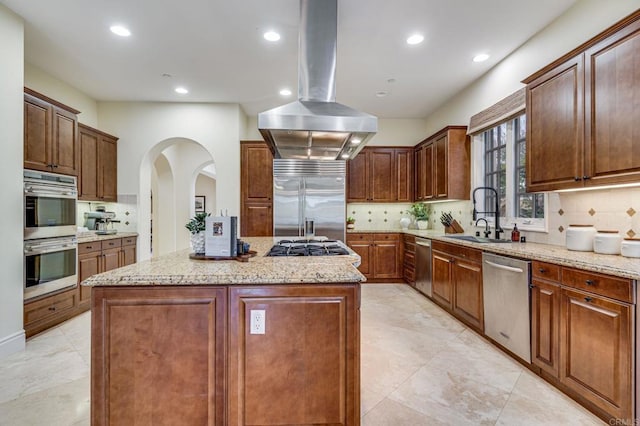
[[98, 180], [582, 114], [50, 135], [380, 174], [256, 189], [442, 166]]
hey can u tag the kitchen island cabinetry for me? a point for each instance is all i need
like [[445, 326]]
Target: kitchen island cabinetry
[[98, 178], [50, 135], [256, 189], [380, 253], [380, 174], [581, 114]]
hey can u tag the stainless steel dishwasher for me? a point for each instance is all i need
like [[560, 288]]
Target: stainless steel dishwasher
[[423, 265], [507, 318]]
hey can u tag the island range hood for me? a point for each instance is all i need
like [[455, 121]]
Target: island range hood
[[315, 127]]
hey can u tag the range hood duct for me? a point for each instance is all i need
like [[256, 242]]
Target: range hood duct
[[315, 126]]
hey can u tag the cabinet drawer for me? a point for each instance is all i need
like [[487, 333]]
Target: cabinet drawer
[[109, 244], [546, 271], [129, 241], [604, 285], [89, 247], [386, 237], [359, 237], [409, 259], [458, 251], [49, 307]]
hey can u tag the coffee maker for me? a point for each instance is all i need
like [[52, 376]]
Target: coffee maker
[[99, 221]]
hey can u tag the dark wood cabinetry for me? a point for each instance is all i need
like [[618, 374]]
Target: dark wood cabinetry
[[46, 312], [380, 253], [256, 189], [442, 166], [409, 259], [582, 115], [457, 282], [50, 135], [380, 174], [98, 178], [545, 317]]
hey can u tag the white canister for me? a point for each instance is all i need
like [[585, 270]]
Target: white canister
[[630, 247], [580, 237], [607, 242]]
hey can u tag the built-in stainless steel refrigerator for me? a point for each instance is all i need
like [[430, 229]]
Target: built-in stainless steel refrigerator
[[309, 190]]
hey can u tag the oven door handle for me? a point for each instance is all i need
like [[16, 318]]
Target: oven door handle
[[37, 251], [39, 191]]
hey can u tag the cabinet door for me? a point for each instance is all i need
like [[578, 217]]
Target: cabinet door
[[88, 265], [555, 128], [545, 326], [48, 311], [110, 259], [256, 220], [596, 351], [88, 179], [173, 341], [442, 292], [440, 175], [612, 73], [467, 287], [64, 142], [256, 173], [37, 134], [364, 251], [382, 175], [357, 179], [429, 173], [108, 175], [418, 170], [128, 255], [304, 369], [386, 259], [404, 175]]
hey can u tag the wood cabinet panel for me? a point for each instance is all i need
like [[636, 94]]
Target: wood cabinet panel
[[409, 259], [257, 220], [309, 354], [604, 285], [381, 254], [88, 179], [404, 175], [178, 343], [545, 326], [64, 149], [37, 134], [418, 173], [88, 264], [386, 259], [429, 174], [108, 176], [47, 312], [382, 176], [468, 293], [441, 167], [98, 178], [442, 285], [357, 178], [545, 271], [128, 255], [364, 251], [256, 189]]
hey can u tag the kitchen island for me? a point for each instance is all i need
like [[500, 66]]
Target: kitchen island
[[270, 341]]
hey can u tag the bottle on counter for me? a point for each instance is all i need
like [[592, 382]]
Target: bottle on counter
[[515, 233]]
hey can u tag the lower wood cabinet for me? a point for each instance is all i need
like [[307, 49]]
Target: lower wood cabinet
[[380, 253], [47, 312], [409, 259], [457, 282], [545, 326]]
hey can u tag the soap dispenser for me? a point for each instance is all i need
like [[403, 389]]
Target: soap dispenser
[[515, 233]]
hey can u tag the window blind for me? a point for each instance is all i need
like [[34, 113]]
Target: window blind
[[503, 110]]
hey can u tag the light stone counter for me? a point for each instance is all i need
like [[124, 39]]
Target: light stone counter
[[91, 236], [177, 269], [617, 265]]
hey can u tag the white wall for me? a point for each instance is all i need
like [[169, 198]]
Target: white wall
[[146, 129], [38, 80], [164, 211], [206, 186], [11, 116]]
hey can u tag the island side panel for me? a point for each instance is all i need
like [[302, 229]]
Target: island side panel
[[305, 368], [158, 355]]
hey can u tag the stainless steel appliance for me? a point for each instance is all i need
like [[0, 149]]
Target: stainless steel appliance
[[49, 265], [506, 292], [423, 265], [307, 191], [306, 247], [101, 222], [49, 205], [315, 126]]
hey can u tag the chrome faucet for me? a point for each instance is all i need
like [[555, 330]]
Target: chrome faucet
[[486, 231], [496, 211]]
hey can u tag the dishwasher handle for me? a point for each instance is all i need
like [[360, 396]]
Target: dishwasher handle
[[424, 244], [504, 267]]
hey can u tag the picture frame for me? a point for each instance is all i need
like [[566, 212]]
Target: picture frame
[[200, 203]]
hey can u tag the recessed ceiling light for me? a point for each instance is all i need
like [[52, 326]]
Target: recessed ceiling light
[[181, 90], [381, 94], [285, 92], [120, 30], [356, 141], [271, 36], [481, 57], [345, 155], [415, 39]]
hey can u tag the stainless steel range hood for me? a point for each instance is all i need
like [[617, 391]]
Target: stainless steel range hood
[[315, 126]]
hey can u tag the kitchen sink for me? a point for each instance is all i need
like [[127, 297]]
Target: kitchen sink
[[475, 239]]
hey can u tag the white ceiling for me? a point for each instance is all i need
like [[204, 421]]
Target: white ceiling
[[215, 48]]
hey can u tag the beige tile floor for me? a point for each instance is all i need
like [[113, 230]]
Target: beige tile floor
[[419, 367]]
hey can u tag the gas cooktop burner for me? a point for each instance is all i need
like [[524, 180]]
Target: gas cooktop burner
[[307, 248]]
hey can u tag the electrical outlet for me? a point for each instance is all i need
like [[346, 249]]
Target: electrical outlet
[[258, 320]]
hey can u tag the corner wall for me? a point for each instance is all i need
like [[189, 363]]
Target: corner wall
[[12, 338]]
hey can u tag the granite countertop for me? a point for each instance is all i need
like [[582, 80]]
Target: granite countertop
[[177, 269], [620, 266], [89, 237]]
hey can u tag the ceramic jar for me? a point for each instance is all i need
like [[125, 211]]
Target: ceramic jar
[[405, 222], [197, 242], [607, 242], [580, 237], [630, 247]]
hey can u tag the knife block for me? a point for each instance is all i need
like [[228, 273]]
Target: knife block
[[454, 228]]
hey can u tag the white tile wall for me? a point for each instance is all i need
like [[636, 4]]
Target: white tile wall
[[125, 210]]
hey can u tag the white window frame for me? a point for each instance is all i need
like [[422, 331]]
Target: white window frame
[[478, 175]]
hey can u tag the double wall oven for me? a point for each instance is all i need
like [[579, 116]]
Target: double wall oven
[[50, 245]]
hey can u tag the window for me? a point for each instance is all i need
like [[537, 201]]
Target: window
[[501, 155]]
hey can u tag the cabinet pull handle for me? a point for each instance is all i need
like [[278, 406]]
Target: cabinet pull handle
[[589, 282], [542, 270], [88, 247], [586, 177], [577, 178], [52, 308], [532, 286], [588, 299]]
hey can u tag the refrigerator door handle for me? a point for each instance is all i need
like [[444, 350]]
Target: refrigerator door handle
[[301, 197]]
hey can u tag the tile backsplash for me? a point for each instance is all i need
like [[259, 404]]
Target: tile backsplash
[[125, 210], [378, 216]]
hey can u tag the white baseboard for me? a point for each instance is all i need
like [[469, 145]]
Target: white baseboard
[[12, 343]]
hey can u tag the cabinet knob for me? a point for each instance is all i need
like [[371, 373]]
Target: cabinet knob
[[586, 177], [52, 308], [55, 166], [542, 270], [532, 286], [588, 299], [589, 282], [577, 178]]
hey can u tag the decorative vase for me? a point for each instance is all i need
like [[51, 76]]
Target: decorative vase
[[197, 242], [405, 222], [351, 225], [422, 224]]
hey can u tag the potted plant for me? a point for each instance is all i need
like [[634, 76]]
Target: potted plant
[[420, 212], [351, 222], [197, 226]]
